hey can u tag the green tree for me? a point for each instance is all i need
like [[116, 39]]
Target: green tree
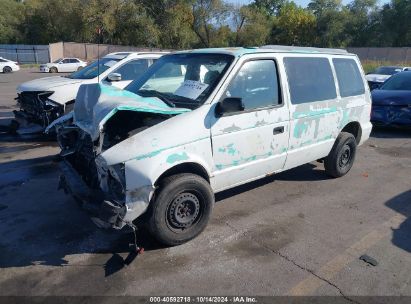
[[331, 20], [294, 26], [269, 7], [10, 21], [252, 26], [208, 17]]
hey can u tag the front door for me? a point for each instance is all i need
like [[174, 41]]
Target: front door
[[252, 143]]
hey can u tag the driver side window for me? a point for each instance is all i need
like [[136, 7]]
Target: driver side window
[[256, 84]]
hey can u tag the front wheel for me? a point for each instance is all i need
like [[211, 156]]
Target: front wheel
[[53, 70], [181, 209], [342, 155], [7, 69]]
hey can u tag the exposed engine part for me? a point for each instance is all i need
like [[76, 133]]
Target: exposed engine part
[[125, 124]]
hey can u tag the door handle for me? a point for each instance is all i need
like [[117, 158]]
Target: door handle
[[278, 130]]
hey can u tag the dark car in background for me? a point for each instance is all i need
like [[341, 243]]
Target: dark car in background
[[381, 74], [391, 103]]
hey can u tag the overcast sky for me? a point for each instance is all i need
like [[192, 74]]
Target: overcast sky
[[299, 2]]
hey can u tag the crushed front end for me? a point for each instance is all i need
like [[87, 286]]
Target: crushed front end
[[98, 188], [37, 108]]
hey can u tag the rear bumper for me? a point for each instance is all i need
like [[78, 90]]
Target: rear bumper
[[105, 212]]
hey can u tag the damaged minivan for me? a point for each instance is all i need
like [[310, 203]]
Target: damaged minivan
[[202, 121]]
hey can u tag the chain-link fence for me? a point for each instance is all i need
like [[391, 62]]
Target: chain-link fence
[[23, 53]]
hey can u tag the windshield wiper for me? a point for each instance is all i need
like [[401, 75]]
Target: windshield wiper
[[153, 93]]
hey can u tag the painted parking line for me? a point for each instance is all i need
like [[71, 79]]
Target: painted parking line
[[333, 267]]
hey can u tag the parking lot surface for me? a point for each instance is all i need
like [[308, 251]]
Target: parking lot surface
[[295, 233]]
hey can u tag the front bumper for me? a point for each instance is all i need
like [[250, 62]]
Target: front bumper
[[391, 115], [44, 69], [105, 212], [35, 107]]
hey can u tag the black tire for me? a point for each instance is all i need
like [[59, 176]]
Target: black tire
[[342, 155], [7, 69], [177, 194], [53, 70], [79, 68]]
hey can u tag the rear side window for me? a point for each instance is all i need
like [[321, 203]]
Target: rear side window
[[349, 77], [310, 79]]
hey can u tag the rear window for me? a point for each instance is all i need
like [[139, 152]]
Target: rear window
[[349, 77], [310, 79]]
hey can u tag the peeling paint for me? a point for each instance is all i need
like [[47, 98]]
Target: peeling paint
[[228, 149], [232, 128], [177, 157]]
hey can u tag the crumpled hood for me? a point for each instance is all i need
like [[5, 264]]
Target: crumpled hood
[[47, 83], [388, 97], [377, 77], [96, 103]]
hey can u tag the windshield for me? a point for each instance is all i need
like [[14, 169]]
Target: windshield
[[57, 61], [387, 70], [182, 80], [94, 69], [398, 82]]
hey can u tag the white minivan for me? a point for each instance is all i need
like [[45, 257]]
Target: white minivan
[[202, 121], [43, 100]]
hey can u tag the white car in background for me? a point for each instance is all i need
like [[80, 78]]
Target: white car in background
[[62, 65], [44, 100], [8, 66], [381, 74]]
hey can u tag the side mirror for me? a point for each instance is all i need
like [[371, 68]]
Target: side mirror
[[229, 105], [113, 77]]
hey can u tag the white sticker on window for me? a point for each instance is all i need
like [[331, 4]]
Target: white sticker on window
[[110, 63], [191, 89]]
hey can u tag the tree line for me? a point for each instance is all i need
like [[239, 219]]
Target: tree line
[[182, 24]]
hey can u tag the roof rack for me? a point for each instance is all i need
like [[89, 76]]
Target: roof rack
[[302, 49]]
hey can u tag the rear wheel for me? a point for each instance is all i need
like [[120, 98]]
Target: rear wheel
[[7, 69], [53, 70], [342, 155], [181, 209]]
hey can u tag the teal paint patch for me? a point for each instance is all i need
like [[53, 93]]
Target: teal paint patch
[[314, 112], [283, 150], [307, 142], [156, 152], [148, 155], [242, 160], [228, 149], [300, 128], [171, 159]]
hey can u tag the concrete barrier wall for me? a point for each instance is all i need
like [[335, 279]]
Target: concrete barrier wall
[[393, 54], [89, 51]]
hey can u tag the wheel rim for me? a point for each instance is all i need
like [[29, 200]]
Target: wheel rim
[[345, 157], [183, 211], [7, 70]]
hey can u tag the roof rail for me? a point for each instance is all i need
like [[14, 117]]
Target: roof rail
[[302, 49]]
